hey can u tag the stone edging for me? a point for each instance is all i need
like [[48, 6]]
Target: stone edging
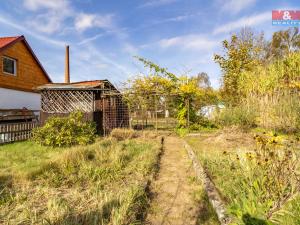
[[209, 187]]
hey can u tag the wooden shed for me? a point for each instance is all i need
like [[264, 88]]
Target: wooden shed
[[99, 100]]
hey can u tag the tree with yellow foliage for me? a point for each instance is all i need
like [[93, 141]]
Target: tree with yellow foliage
[[184, 94]]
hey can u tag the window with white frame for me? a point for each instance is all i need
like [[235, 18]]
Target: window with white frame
[[9, 65]]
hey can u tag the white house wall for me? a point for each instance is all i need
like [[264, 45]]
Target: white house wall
[[13, 99]]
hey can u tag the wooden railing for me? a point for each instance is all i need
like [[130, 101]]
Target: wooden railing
[[10, 132]]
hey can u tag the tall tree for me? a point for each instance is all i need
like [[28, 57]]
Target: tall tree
[[203, 80], [243, 52], [284, 42]]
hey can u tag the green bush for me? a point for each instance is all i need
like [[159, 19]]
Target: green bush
[[239, 116], [65, 131]]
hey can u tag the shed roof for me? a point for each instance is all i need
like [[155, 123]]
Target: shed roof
[[81, 85]]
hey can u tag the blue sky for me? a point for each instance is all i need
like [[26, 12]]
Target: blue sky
[[181, 35]]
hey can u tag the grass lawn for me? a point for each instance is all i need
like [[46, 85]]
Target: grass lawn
[[22, 157], [102, 183], [220, 153]]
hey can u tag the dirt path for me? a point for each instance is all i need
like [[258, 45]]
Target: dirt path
[[172, 191]]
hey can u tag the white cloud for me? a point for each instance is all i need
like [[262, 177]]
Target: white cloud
[[243, 22], [234, 6], [46, 4], [47, 23], [100, 65], [26, 30], [177, 18], [90, 39], [52, 16], [188, 42], [97, 55], [58, 11], [167, 20], [155, 3], [118, 32], [84, 21], [130, 49]]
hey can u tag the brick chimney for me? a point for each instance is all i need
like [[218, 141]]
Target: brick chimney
[[67, 66]]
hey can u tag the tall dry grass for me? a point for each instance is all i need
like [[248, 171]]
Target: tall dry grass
[[101, 183], [278, 110]]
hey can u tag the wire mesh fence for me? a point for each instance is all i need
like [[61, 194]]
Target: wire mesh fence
[[153, 111], [115, 112]]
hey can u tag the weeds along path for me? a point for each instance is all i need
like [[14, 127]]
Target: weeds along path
[[172, 200]]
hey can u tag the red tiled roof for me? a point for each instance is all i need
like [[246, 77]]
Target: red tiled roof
[[4, 41]]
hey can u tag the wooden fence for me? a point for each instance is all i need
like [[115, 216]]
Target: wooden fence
[[10, 132]]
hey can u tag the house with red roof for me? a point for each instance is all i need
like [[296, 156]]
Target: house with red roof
[[21, 73]]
